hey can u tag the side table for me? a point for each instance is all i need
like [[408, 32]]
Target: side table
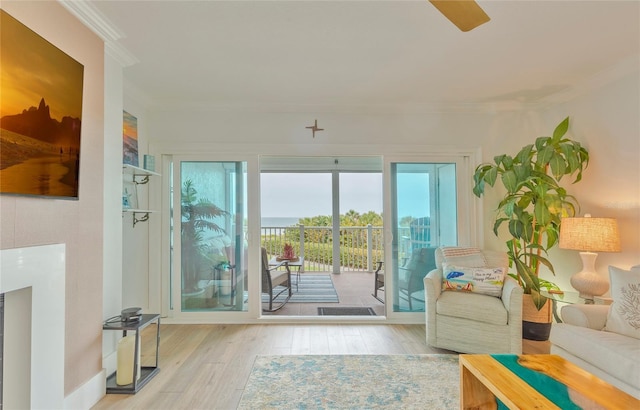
[[565, 297], [147, 372]]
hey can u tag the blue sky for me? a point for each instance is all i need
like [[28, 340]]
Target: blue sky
[[309, 194]]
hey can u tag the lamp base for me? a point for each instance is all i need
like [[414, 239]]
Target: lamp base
[[588, 282]]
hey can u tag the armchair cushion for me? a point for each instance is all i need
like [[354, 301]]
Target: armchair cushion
[[474, 307], [624, 315], [487, 281]]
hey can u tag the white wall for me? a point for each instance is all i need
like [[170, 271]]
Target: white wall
[[604, 120], [607, 122], [112, 278]]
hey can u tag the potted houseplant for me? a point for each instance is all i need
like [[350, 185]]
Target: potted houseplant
[[197, 215], [534, 204]]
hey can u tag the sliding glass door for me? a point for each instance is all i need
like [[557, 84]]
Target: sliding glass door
[[209, 220], [424, 215]]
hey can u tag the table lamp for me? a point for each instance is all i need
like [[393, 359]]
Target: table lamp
[[589, 235]]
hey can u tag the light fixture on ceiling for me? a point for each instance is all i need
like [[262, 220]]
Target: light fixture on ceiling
[[589, 235]]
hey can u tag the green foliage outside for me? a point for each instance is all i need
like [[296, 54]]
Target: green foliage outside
[[197, 216], [318, 242]]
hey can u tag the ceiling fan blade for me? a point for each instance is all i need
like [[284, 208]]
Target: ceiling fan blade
[[465, 14]]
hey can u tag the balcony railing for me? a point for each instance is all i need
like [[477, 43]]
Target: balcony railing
[[360, 246]]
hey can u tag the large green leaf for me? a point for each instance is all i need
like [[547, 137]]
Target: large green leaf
[[544, 156], [478, 188], [510, 181], [538, 299], [560, 130], [491, 175], [516, 228], [508, 207], [541, 142], [571, 156], [524, 156], [522, 172], [507, 162], [557, 165], [543, 216], [497, 224], [527, 228]]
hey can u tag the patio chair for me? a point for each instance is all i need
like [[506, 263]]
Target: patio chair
[[411, 274], [275, 282], [378, 278]]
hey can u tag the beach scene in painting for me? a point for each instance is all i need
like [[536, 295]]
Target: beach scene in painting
[[40, 115], [129, 139]]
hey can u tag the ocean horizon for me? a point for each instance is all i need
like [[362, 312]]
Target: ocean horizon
[[277, 221]]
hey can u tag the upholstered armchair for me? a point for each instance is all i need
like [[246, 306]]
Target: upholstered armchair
[[469, 322]]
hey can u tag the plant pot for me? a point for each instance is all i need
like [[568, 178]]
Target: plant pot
[[536, 324]]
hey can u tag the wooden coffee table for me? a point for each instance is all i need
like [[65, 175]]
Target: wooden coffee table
[[483, 379]]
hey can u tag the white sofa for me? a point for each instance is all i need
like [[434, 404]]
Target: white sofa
[[582, 340]]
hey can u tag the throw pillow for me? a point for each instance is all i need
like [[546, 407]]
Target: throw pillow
[[487, 281], [472, 257], [624, 313]]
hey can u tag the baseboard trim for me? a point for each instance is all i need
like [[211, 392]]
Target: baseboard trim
[[87, 395]]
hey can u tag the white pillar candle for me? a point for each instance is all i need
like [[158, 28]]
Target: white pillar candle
[[126, 353]]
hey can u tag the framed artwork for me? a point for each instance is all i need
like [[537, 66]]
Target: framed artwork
[[40, 114], [129, 139]]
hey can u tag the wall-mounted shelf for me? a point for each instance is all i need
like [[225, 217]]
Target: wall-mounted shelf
[[135, 212], [139, 176], [138, 172]]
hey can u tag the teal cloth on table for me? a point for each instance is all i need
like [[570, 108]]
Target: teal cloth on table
[[549, 387]]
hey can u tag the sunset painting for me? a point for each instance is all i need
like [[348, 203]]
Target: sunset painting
[[40, 114]]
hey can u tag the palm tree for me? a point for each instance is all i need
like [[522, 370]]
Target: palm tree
[[196, 218]]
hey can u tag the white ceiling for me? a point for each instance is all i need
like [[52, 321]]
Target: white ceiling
[[367, 53]]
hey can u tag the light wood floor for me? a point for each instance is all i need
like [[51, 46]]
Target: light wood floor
[[207, 366]]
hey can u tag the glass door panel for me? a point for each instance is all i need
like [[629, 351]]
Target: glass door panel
[[423, 217], [211, 242]]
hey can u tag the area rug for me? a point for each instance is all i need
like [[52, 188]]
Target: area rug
[[353, 382], [346, 311], [311, 289]]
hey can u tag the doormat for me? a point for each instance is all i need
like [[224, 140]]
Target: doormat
[[346, 311], [311, 289]]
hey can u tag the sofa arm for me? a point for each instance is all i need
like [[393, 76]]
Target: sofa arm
[[512, 296], [590, 316], [433, 281], [432, 291]]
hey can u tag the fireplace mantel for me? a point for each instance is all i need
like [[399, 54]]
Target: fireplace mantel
[[38, 272]]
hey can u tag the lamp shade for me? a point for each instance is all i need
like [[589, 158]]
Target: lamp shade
[[590, 234]]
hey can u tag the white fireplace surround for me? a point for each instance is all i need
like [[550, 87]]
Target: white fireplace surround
[[34, 277]]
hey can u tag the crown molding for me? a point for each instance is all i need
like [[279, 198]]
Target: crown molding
[[382, 109], [97, 22]]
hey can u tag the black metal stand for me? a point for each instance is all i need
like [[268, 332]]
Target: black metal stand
[[146, 372]]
